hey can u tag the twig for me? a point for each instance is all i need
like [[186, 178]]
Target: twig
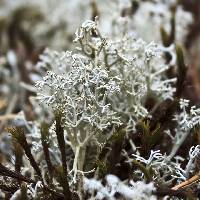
[[188, 182], [61, 144], [19, 135], [45, 146], [4, 171]]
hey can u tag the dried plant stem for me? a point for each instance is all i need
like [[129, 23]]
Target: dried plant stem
[[20, 137], [45, 145], [18, 151], [61, 144], [188, 182], [10, 189], [4, 171]]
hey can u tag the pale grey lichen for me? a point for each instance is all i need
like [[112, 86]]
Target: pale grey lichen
[[132, 190]]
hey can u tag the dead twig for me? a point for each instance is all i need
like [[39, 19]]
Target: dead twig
[[188, 182]]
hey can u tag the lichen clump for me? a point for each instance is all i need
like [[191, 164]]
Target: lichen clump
[[105, 116]]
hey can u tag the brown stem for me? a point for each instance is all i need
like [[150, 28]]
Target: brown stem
[[188, 182], [45, 145], [61, 145]]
